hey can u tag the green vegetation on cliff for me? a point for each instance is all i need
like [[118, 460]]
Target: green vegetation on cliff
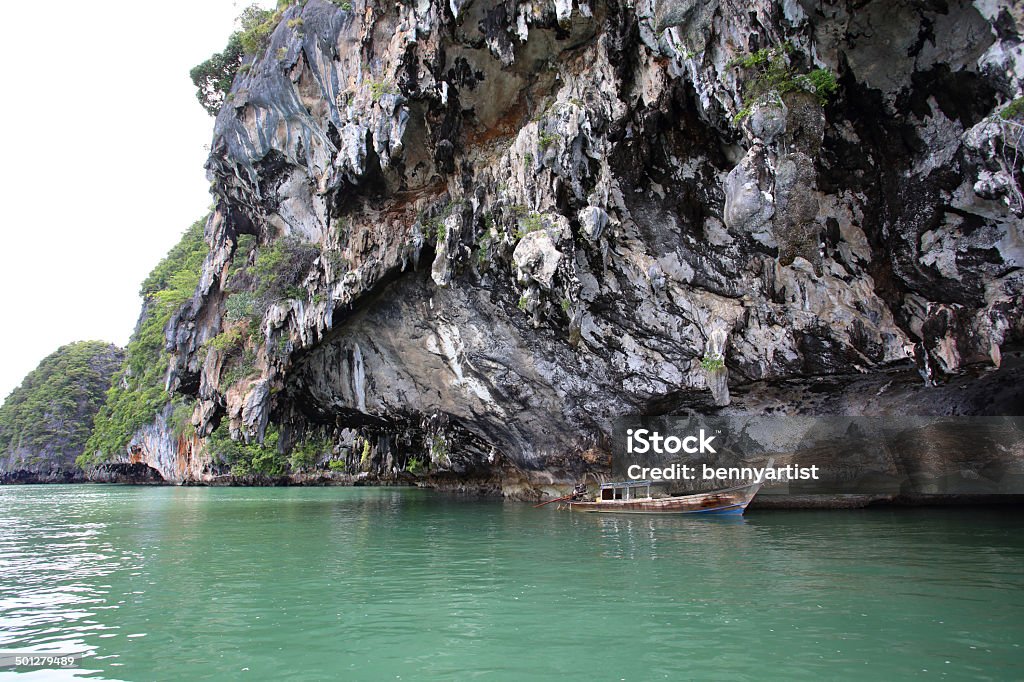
[[138, 390], [712, 363], [268, 459], [773, 75], [248, 459], [213, 78], [1014, 109], [46, 421], [276, 274]]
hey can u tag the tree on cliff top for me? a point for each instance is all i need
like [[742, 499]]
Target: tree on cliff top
[[46, 421], [213, 78]]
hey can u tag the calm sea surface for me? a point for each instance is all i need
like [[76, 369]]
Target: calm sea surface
[[386, 584]]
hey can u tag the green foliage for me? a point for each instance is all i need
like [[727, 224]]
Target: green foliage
[[281, 345], [248, 459], [523, 303], [244, 246], [275, 275], [774, 76], [241, 366], [712, 363], [380, 88], [340, 265], [365, 459], [546, 139], [181, 418], [435, 226], [213, 78], [483, 245], [438, 448], [1014, 109], [1006, 144], [763, 58], [306, 454], [228, 340], [256, 24], [743, 113], [415, 467], [821, 82], [336, 465], [342, 228], [240, 306], [138, 390], [530, 222], [177, 274], [50, 414], [566, 304], [280, 268]]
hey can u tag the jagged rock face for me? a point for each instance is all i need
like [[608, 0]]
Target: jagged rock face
[[538, 217], [173, 456]]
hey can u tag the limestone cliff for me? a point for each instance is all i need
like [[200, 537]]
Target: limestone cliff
[[464, 237]]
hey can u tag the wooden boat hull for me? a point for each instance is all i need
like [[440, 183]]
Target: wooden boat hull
[[731, 501]]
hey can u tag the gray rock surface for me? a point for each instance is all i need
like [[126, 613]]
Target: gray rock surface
[[503, 352], [796, 209]]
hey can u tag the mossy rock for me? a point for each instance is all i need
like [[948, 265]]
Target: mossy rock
[[805, 123]]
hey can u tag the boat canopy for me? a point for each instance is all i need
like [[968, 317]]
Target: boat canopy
[[626, 490]]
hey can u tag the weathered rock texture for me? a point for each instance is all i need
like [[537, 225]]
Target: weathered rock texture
[[535, 217]]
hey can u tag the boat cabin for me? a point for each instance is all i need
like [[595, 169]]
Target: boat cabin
[[626, 490]]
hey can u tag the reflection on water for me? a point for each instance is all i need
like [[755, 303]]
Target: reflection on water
[[634, 536], [187, 583]]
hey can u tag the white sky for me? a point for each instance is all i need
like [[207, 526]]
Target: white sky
[[103, 162]]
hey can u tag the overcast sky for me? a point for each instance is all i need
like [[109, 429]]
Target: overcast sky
[[103, 162]]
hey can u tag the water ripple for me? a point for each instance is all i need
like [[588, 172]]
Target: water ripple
[[181, 583]]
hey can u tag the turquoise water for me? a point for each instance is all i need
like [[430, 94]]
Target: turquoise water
[[386, 584]]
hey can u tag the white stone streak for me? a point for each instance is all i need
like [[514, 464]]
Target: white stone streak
[[447, 343], [358, 378]]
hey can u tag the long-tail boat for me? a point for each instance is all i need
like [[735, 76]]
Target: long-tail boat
[[634, 497]]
